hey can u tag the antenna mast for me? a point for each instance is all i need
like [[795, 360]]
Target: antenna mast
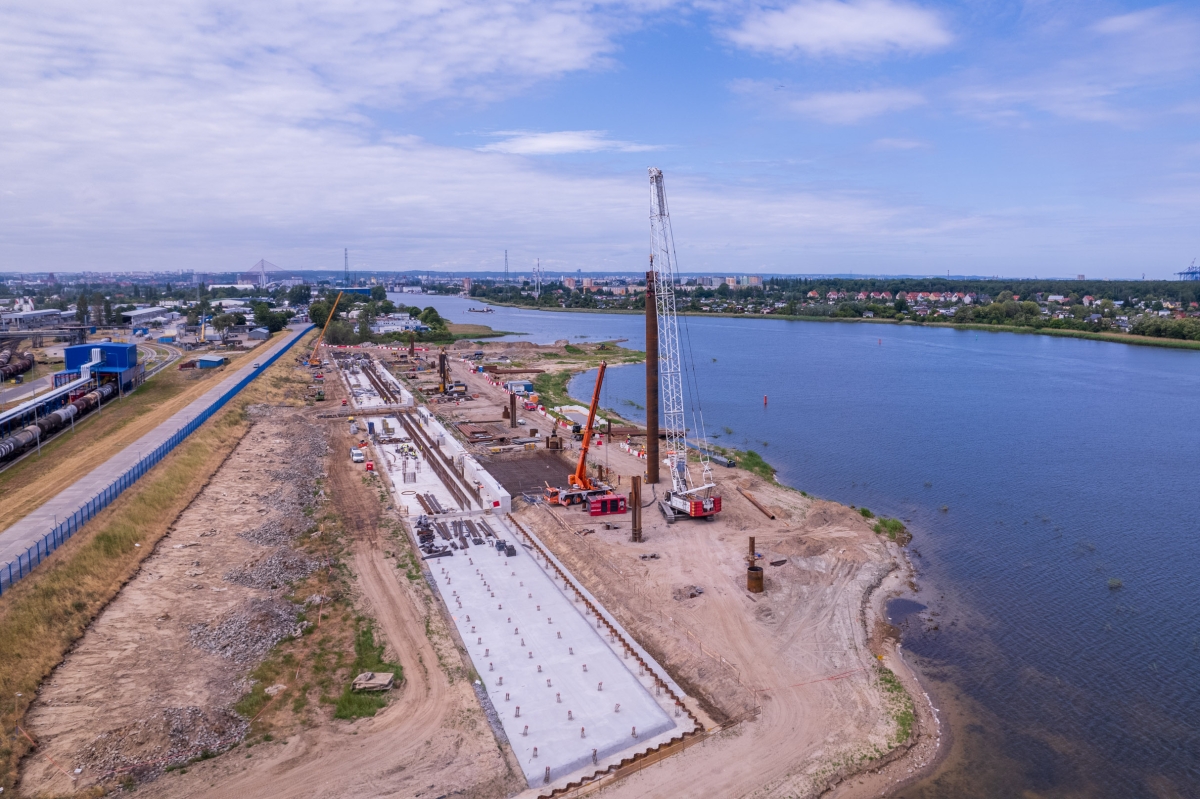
[[346, 256], [506, 267]]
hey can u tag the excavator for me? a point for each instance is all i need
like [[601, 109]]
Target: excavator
[[313, 360], [581, 488]]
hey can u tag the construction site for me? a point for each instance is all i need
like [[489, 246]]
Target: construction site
[[432, 580]]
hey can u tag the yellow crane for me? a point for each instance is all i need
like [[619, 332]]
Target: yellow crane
[[313, 360]]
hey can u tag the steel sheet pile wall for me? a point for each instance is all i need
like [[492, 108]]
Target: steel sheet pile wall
[[25, 563]]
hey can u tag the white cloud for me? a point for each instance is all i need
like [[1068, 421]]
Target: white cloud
[[847, 108], [858, 29], [1104, 71], [898, 144], [561, 143]]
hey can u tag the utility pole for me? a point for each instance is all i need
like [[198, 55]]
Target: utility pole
[[506, 267], [346, 267]]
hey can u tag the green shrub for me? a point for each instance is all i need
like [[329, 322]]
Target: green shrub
[[866, 513], [889, 527], [368, 656]]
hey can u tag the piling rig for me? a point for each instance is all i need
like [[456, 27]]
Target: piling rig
[[687, 498]]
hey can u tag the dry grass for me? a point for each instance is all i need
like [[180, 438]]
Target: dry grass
[[43, 615]]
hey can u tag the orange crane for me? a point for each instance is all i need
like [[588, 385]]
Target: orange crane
[[313, 360], [600, 497]]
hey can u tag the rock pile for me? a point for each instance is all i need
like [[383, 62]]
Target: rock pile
[[247, 632], [281, 567], [171, 737]]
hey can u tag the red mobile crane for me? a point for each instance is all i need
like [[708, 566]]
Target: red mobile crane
[[313, 360], [600, 497]]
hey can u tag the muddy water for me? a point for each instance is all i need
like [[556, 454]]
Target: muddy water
[[1034, 473]]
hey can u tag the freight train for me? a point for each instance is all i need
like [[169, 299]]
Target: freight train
[[11, 367], [53, 421]]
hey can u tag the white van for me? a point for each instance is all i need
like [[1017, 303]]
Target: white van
[[356, 455]]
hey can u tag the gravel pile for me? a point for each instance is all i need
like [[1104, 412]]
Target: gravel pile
[[290, 489], [248, 632], [281, 567], [170, 737], [272, 533]]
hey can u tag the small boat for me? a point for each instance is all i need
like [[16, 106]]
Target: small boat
[[481, 310]]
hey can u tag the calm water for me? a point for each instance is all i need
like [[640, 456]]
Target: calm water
[[1031, 471]]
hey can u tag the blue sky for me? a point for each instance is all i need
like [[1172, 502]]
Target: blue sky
[[823, 136]]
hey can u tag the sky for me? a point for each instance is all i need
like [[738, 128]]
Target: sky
[[1041, 138]]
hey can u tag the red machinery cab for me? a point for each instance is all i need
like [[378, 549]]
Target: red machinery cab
[[344, 402], [370, 466], [607, 504]]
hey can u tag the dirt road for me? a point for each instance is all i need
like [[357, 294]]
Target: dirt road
[[433, 739]]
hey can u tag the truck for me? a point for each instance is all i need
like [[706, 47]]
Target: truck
[[357, 455]]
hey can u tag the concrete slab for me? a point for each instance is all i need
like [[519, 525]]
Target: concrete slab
[[556, 682]]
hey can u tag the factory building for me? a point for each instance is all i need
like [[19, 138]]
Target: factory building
[[118, 364]]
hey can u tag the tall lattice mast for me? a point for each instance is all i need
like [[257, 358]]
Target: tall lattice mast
[[670, 355]]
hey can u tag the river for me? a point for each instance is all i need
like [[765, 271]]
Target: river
[[1037, 474]]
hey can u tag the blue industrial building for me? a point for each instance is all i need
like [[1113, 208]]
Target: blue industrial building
[[118, 363], [210, 361]]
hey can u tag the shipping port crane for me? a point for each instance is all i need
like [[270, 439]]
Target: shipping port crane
[[687, 498], [581, 488], [313, 360]]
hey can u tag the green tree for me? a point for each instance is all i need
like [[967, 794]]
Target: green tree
[[222, 323], [265, 317], [378, 293], [299, 295], [81, 308], [318, 312], [110, 318]]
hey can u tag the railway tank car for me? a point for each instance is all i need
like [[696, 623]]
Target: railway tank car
[[51, 423]]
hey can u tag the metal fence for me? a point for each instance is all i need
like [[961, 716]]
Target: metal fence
[[60, 533]]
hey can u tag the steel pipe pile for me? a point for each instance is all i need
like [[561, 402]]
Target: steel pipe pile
[[54, 421]]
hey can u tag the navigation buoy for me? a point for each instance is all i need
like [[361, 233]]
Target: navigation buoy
[[764, 399]]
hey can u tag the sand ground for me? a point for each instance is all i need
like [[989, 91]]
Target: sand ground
[[789, 679]]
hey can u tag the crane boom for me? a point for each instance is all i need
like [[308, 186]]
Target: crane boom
[[312, 359], [580, 479], [670, 363]]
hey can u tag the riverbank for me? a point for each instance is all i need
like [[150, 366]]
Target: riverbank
[[468, 331], [1116, 338], [918, 747]]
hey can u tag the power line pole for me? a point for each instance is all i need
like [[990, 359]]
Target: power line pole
[[506, 267], [346, 267]]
